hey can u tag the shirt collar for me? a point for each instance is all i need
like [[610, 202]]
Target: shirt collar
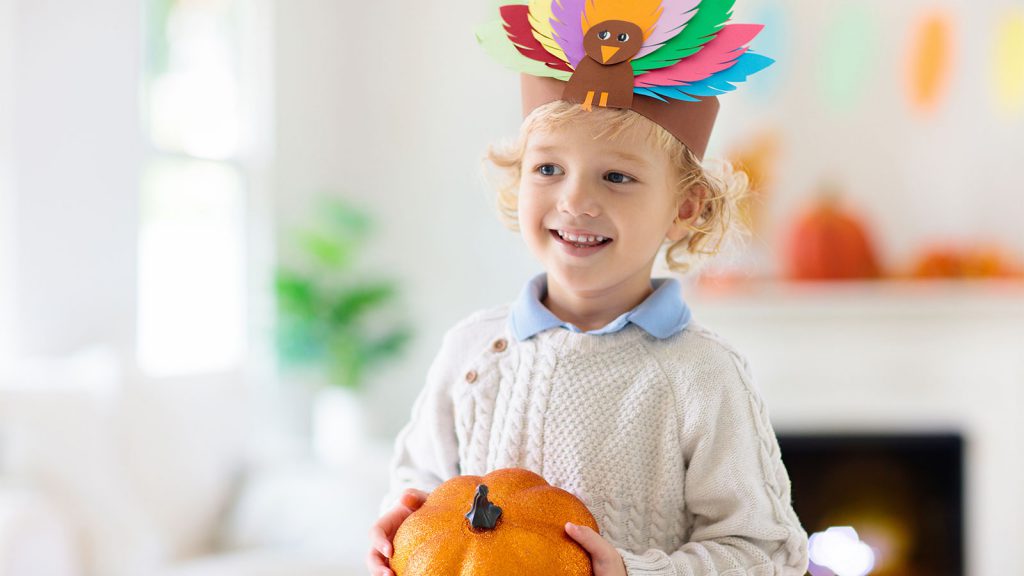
[[662, 314]]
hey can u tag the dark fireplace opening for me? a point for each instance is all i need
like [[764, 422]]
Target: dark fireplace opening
[[884, 505]]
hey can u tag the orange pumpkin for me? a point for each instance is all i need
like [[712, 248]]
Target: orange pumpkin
[[938, 262], [989, 261], [510, 521], [950, 262], [829, 243]]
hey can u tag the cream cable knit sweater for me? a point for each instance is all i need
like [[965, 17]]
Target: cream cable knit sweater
[[667, 442]]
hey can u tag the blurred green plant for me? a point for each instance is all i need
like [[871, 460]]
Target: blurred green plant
[[329, 315]]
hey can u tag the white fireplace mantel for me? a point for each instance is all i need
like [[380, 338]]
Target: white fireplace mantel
[[898, 357]]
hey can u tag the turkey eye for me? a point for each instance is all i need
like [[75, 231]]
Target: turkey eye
[[623, 37], [604, 35]]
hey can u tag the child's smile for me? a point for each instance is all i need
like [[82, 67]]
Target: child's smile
[[595, 211], [580, 242]]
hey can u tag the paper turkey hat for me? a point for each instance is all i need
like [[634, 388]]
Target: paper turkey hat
[[664, 59]]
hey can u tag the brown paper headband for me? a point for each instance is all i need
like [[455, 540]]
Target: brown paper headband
[[690, 122]]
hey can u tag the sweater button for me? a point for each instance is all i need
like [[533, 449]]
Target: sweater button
[[499, 345], [471, 376]]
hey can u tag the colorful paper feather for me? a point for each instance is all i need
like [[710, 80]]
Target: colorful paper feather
[[717, 55], [568, 28], [710, 17], [643, 13], [724, 81], [494, 40], [521, 34], [674, 15], [689, 51], [540, 17]]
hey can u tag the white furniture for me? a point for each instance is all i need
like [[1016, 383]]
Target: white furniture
[[99, 478], [34, 537]]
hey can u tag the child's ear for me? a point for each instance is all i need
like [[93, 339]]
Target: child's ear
[[687, 210]]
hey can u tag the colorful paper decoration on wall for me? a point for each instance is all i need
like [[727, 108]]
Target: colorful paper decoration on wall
[[850, 56], [931, 60], [1008, 62], [772, 40], [758, 156]]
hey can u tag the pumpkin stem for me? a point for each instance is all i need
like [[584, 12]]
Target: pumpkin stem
[[483, 515]]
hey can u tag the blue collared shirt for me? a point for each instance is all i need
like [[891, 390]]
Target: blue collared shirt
[[661, 314]]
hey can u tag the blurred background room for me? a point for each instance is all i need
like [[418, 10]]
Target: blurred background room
[[233, 233]]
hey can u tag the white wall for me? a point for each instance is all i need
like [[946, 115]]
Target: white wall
[[7, 235], [76, 147], [372, 107]]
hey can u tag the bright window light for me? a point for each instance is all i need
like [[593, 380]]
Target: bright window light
[[194, 105], [191, 283], [196, 113], [191, 274]]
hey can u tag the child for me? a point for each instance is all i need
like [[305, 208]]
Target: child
[[596, 377]]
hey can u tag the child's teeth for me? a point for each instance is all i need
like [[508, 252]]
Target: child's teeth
[[583, 239]]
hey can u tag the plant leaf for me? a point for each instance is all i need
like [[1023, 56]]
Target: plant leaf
[[296, 296], [346, 218], [354, 302], [389, 345], [328, 250]]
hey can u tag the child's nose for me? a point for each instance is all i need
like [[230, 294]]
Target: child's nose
[[577, 200]]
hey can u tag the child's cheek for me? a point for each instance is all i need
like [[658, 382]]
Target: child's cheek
[[529, 214]]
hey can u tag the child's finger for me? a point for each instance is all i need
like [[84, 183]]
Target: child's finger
[[380, 541], [603, 555], [383, 531], [591, 541], [376, 564], [394, 518], [413, 499]]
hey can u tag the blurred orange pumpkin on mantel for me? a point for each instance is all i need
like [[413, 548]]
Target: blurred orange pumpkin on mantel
[[829, 242], [969, 262], [510, 521]]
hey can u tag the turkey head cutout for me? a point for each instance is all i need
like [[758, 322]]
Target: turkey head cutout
[[605, 75]]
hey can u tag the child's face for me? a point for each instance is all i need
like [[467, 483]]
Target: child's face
[[622, 190]]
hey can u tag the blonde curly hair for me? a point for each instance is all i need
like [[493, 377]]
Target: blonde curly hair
[[710, 227]]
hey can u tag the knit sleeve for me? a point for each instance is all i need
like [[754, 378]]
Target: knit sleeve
[[426, 450], [737, 490]]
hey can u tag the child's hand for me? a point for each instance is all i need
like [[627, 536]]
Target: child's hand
[[383, 532], [604, 556]]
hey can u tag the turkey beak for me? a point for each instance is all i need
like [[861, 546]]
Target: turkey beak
[[607, 52]]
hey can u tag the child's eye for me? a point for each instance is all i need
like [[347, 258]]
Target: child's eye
[[549, 170], [618, 178]]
